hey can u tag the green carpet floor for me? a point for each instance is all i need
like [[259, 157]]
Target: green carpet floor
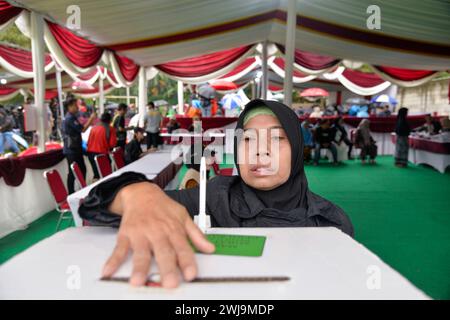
[[402, 215]]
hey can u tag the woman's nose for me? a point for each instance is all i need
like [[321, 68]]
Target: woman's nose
[[260, 154]]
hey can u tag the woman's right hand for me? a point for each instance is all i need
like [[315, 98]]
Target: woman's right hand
[[154, 225]]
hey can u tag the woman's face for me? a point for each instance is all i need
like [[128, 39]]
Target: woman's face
[[264, 153]]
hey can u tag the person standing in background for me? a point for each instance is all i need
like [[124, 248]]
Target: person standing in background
[[72, 130], [152, 123], [102, 139], [402, 130], [307, 139], [119, 125]]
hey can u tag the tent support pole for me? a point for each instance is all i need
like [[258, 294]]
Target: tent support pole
[[265, 78], [60, 97], [290, 50], [180, 97], [253, 90], [101, 97], [37, 51], [128, 95], [142, 95]]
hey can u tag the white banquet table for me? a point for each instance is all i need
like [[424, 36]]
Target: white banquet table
[[322, 263], [152, 165], [433, 151]]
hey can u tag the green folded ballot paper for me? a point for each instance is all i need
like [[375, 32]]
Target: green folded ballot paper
[[237, 245]]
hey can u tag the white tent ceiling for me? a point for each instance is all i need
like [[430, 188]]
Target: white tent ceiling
[[414, 33]]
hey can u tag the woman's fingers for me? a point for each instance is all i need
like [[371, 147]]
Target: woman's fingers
[[141, 261], [185, 255], [198, 238], [117, 257], [167, 261]]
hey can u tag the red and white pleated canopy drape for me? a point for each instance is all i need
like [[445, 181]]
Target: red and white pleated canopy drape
[[209, 66], [77, 55], [18, 61], [7, 93], [8, 14]]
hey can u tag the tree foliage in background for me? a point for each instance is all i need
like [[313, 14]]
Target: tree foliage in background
[[13, 36], [160, 87]]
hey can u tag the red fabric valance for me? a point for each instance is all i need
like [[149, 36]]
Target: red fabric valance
[[312, 61], [13, 169], [362, 79], [281, 64], [4, 91], [128, 68], [7, 12], [244, 65], [91, 91], [88, 75], [78, 50], [19, 58], [405, 74], [204, 64]]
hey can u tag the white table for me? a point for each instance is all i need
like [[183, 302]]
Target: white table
[[418, 155], [383, 140], [323, 263], [151, 165], [21, 205]]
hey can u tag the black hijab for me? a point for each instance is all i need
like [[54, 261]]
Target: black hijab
[[292, 194], [402, 127]]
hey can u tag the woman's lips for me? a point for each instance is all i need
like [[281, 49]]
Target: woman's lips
[[261, 171]]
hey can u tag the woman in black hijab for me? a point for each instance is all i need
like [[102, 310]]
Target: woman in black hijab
[[271, 190], [402, 130]]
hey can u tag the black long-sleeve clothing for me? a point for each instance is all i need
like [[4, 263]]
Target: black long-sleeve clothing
[[323, 136], [227, 201], [344, 134], [132, 151]]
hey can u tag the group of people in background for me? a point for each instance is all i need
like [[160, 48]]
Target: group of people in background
[[106, 134], [330, 134], [110, 131], [361, 111]]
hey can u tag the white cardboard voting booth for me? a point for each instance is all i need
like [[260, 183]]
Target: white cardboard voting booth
[[322, 263]]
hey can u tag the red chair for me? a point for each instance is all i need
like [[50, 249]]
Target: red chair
[[221, 172], [59, 194], [78, 175], [118, 158], [228, 172], [103, 165]]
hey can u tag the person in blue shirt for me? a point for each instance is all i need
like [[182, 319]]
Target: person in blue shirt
[[363, 112], [72, 130], [307, 139]]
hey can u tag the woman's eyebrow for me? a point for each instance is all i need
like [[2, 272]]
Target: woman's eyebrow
[[270, 128]]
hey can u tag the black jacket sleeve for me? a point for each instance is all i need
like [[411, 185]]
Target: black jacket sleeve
[[94, 208]]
